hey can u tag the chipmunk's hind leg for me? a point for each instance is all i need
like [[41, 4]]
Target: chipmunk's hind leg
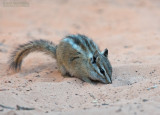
[[63, 71]]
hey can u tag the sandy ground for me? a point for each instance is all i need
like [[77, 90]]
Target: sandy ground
[[129, 29]]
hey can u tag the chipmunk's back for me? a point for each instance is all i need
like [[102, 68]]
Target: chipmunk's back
[[81, 44]]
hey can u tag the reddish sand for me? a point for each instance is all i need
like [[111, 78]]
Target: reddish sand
[[130, 29]]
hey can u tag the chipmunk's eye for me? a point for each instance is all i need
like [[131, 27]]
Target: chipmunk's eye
[[102, 71]]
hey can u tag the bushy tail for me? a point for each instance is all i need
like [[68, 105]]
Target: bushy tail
[[23, 50]]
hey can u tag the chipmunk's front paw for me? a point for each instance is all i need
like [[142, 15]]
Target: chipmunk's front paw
[[86, 79]]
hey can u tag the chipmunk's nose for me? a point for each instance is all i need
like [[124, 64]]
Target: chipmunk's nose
[[110, 82]]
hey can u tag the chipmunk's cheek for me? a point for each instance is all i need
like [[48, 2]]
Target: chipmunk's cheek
[[96, 77]]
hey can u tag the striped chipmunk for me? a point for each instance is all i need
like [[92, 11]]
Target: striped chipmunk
[[76, 55]]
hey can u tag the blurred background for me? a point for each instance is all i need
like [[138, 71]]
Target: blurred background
[[127, 28]]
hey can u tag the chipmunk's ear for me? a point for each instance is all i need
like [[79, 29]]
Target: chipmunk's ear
[[95, 55], [105, 52]]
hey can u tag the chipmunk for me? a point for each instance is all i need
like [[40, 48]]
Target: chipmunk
[[76, 55]]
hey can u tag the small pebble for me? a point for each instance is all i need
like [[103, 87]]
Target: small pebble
[[152, 87], [105, 104], [94, 101], [144, 100], [37, 76], [30, 80], [119, 110]]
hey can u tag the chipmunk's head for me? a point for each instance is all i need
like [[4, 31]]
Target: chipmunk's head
[[101, 67]]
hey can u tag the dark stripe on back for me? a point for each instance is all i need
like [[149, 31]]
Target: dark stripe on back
[[84, 42], [89, 42], [76, 40]]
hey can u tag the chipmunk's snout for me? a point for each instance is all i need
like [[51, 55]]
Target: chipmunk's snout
[[108, 79], [105, 76]]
